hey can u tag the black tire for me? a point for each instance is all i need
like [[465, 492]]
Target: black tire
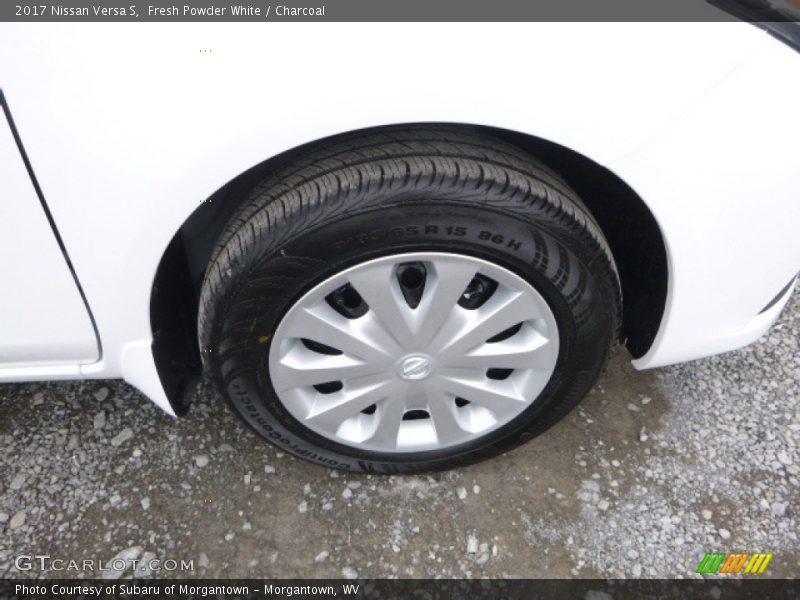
[[375, 193]]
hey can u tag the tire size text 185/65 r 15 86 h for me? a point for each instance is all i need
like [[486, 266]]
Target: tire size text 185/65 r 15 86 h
[[408, 299]]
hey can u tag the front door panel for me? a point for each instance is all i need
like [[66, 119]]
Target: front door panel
[[43, 319]]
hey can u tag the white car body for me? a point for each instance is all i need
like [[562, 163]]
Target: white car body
[[129, 128]]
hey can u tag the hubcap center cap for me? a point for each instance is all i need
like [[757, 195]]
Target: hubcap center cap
[[416, 367]]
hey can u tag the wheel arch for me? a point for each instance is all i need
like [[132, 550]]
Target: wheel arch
[[628, 224]]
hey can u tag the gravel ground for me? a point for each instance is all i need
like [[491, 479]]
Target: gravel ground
[[654, 469]]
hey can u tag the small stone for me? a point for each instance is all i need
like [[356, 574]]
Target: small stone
[[349, 573], [321, 557], [17, 482], [122, 437], [229, 536], [707, 514], [303, 506], [269, 469], [201, 460], [785, 458], [101, 394], [643, 437], [247, 526], [145, 503], [225, 448], [115, 499], [202, 560], [590, 485], [615, 463], [778, 509], [354, 485], [636, 570], [327, 506], [476, 489], [121, 562], [632, 407], [18, 520], [472, 544], [3, 517], [247, 479], [347, 493], [99, 420], [646, 400], [462, 493], [724, 533], [137, 453], [38, 398], [603, 505]]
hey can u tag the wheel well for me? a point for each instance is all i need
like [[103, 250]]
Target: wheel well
[[630, 228], [627, 223]]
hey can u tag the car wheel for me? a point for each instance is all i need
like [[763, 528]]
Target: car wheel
[[408, 299]]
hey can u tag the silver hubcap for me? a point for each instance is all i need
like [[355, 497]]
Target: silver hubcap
[[413, 352]]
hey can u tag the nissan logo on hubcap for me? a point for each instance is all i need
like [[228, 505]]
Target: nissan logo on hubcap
[[416, 367]]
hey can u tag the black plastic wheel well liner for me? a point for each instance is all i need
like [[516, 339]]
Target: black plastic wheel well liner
[[173, 320], [631, 230], [629, 226]]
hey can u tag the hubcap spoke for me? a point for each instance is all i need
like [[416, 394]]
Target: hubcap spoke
[[477, 326], [442, 291], [445, 423], [529, 349], [500, 397], [414, 370], [301, 367], [416, 397], [379, 288], [324, 325], [390, 417], [330, 410]]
